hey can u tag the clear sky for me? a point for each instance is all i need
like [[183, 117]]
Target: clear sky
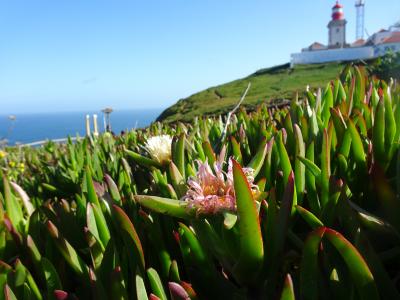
[[66, 55]]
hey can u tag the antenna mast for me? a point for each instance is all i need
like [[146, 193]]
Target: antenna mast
[[360, 5]]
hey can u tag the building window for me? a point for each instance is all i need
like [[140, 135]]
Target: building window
[[337, 30]]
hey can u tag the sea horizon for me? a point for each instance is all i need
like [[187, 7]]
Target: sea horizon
[[38, 126]]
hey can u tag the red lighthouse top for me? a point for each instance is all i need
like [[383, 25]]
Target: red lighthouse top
[[337, 12]]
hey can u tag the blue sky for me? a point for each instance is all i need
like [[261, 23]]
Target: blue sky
[[67, 55]]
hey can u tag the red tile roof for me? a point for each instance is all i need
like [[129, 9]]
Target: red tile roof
[[317, 45], [359, 42], [394, 38]]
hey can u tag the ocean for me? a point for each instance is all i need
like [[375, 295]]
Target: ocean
[[28, 128]]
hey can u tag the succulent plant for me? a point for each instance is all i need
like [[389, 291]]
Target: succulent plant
[[298, 202]]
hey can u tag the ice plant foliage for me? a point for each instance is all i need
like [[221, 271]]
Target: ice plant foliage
[[213, 192], [159, 148], [96, 219]]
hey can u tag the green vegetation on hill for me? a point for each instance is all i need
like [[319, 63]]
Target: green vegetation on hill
[[275, 83]]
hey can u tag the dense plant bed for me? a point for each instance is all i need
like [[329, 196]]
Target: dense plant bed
[[301, 202]]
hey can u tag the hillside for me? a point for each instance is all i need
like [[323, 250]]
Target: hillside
[[275, 83]]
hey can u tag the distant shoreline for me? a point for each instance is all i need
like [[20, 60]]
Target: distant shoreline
[[32, 127]]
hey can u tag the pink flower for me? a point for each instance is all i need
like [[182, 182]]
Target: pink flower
[[213, 192]]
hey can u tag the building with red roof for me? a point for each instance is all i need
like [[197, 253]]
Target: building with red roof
[[376, 45]]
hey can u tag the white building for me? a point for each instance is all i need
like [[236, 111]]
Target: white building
[[338, 50]]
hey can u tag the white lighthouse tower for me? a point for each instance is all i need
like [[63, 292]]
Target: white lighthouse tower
[[337, 27]]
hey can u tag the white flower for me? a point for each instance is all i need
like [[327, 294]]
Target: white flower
[[159, 148]]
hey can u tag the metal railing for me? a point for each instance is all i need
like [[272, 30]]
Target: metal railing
[[40, 143]]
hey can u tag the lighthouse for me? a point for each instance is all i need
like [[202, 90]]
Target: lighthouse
[[337, 27], [377, 45]]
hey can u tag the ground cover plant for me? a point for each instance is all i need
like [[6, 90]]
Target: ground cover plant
[[301, 202]]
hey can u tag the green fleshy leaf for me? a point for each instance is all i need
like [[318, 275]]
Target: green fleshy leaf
[[288, 291], [29, 280], [358, 268], [170, 207], [325, 168], [178, 182], [113, 189], [209, 152], [329, 211], [156, 284], [102, 227], [359, 91], [237, 153], [91, 221], [199, 149], [309, 274], [251, 244], [311, 166], [53, 281], [327, 105], [50, 188], [67, 251], [298, 166], [339, 123], [284, 158], [24, 197], [258, 159], [33, 251], [140, 286], [174, 272], [261, 184], [127, 226], [96, 248], [309, 217], [8, 293], [92, 196], [378, 134], [390, 123], [13, 207], [196, 251], [357, 145], [4, 270], [287, 207], [311, 179], [142, 160], [178, 154]]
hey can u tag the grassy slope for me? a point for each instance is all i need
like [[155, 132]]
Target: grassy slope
[[279, 82]]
